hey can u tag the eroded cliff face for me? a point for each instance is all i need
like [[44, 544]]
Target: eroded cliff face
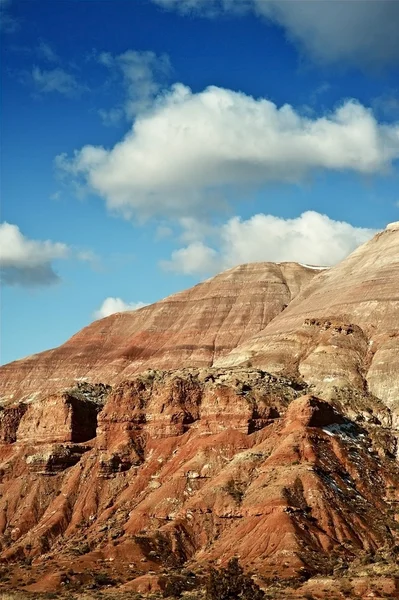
[[270, 433], [191, 328], [191, 466], [342, 330]]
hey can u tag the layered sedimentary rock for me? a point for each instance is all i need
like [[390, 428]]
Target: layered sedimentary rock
[[189, 466], [275, 453], [343, 329], [58, 418], [191, 328]]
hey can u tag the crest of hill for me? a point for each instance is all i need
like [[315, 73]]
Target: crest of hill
[[191, 328]]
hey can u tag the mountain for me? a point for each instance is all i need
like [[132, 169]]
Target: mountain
[[191, 328], [343, 329], [254, 415]]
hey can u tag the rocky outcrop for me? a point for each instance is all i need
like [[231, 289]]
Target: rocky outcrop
[[161, 404], [53, 458], [312, 412], [10, 418], [192, 466], [270, 433], [191, 328], [59, 418]]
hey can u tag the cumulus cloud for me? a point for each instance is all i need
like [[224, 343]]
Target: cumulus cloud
[[359, 32], [143, 75], [114, 305], [194, 258], [181, 157], [55, 80], [311, 238], [28, 262]]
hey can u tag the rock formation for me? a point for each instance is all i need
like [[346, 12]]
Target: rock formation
[[254, 415], [186, 464], [343, 329], [191, 328]]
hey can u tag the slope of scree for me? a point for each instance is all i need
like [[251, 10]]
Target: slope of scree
[[191, 328], [192, 466], [340, 331]]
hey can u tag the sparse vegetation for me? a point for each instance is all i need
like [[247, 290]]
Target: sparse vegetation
[[80, 549], [102, 579], [235, 489], [174, 585], [232, 583]]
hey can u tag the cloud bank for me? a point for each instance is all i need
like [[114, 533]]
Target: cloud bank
[[311, 238], [114, 305], [28, 262], [181, 157], [356, 32]]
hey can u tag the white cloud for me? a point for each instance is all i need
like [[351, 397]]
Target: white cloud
[[312, 239], [180, 157], [28, 262], [55, 80], [143, 75], [194, 230], [114, 305], [194, 258], [360, 32]]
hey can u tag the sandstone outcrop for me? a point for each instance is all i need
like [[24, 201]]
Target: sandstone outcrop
[[58, 418], [190, 466]]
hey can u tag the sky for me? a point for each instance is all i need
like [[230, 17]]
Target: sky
[[150, 144]]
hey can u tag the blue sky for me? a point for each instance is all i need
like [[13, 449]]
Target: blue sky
[[148, 144]]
